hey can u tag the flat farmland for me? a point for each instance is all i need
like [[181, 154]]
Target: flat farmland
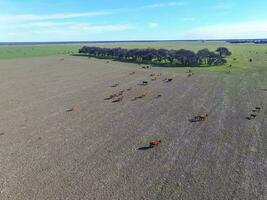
[[93, 151]]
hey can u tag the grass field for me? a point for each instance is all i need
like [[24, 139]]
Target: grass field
[[13, 52], [242, 52]]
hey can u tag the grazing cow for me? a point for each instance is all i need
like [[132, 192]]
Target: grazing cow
[[118, 99], [153, 74], [132, 73], [129, 89], [144, 83], [253, 116], [146, 67], [74, 108], [201, 117], [258, 108], [154, 143], [153, 79], [112, 96]]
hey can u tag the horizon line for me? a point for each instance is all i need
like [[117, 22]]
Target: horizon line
[[121, 41]]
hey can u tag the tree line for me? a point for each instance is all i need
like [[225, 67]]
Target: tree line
[[255, 41], [180, 57]]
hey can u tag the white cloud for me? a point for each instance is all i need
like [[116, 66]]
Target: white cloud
[[68, 28], [243, 30], [31, 17], [153, 25], [101, 28]]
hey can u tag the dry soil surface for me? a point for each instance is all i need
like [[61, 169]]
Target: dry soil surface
[[93, 151]]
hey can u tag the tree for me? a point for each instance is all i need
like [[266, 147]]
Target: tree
[[182, 57], [223, 51], [203, 56]]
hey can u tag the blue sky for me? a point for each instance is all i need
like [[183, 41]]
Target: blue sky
[[76, 20]]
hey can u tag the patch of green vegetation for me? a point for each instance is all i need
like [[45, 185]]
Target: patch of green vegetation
[[12, 52], [238, 61]]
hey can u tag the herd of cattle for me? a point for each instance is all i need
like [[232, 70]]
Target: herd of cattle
[[119, 96]]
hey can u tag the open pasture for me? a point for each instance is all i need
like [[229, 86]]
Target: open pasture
[[242, 53], [61, 138]]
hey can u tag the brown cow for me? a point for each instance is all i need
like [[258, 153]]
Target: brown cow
[[154, 143], [118, 99], [201, 117]]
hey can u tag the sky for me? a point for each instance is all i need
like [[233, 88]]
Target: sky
[[109, 20]]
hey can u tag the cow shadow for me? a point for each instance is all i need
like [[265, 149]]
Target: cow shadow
[[193, 120], [145, 148]]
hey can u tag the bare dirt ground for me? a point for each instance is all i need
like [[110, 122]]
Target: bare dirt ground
[[92, 152]]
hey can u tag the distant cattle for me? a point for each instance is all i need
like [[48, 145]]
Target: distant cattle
[[146, 67], [258, 108], [118, 99], [144, 83], [252, 116], [201, 117], [154, 143]]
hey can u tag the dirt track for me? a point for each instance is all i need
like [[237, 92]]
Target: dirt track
[[92, 152]]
